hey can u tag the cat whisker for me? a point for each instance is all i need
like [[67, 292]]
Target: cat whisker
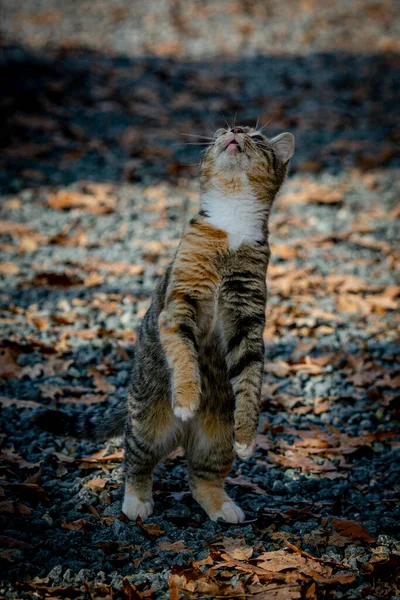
[[226, 122], [204, 137], [266, 125]]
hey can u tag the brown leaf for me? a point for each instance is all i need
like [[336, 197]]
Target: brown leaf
[[16, 229], [23, 509], [245, 483], [97, 203], [9, 368], [103, 456], [191, 580], [9, 456], [313, 193], [151, 528], [53, 366], [100, 382], [9, 268], [279, 368], [59, 280], [7, 555], [6, 506], [96, 484], [87, 399], [18, 403], [351, 529], [236, 548], [9, 542], [75, 525], [178, 546], [131, 591]]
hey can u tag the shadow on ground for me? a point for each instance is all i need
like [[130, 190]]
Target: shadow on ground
[[76, 114]]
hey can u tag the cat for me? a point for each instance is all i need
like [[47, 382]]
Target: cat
[[197, 375]]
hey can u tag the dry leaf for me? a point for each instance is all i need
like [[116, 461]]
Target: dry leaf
[[75, 525], [9, 268], [351, 530], [96, 484], [96, 204], [18, 403], [245, 483], [151, 528], [178, 546]]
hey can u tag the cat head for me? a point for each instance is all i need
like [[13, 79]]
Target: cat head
[[242, 151]]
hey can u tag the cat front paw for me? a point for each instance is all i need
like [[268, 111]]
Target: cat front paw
[[229, 512], [244, 451], [245, 433], [185, 402], [184, 413]]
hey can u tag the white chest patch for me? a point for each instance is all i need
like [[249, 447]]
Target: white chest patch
[[240, 216]]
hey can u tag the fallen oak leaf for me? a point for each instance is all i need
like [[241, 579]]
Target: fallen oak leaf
[[23, 509], [9, 268], [95, 204], [351, 530], [30, 490], [236, 548], [9, 368], [245, 483], [53, 279], [87, 399], [151, 528], [130, 590], [338, 578], [9, 542], [191, 581], [18, 403], [75, 525], [8, 455], [310, 556], [6, 506], [103, 456], [64, 457], [7, 555], [178, 546], [100, 382], [96, 484]]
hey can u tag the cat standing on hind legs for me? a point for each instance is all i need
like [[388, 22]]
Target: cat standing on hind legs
[[199, 356]]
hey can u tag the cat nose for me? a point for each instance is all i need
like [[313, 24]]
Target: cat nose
[[235, 130]]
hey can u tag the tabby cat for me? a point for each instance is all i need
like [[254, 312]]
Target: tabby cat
[[197, 376]]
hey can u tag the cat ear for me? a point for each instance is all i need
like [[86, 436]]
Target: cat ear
[[283, 144]]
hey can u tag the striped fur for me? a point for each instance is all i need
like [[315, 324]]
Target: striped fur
[[199, 357]]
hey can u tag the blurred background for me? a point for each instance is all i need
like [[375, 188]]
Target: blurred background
[[104, 105], [103, 90]]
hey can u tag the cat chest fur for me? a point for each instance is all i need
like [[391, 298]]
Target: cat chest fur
[[241, 215]]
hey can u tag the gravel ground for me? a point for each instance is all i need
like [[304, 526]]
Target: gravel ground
[[96, 186]]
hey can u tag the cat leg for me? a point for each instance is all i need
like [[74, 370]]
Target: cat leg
[[210, 453], [178, 333], [148, 439], [243, 310]]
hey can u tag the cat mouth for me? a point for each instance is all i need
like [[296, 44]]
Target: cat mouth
[[233, 146]]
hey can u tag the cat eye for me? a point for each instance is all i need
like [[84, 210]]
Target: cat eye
[[258, 138], [219, 132]]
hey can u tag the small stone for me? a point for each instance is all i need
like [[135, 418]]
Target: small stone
[[278, 487]]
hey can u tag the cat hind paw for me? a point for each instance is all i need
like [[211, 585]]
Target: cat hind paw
[[133, 507]]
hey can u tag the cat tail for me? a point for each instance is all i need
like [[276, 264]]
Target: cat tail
[[99, 422]]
